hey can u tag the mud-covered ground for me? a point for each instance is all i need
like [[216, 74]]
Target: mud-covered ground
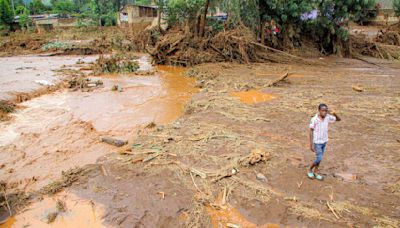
[[236, 157], [202, 169]]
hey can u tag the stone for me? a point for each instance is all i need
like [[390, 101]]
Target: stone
[[114, 142], [261, 177]]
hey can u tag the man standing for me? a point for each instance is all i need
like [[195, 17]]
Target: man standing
[[319, 137]]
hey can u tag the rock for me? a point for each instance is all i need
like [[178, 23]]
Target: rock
[[261, 177], [114, 142], [348, 177]]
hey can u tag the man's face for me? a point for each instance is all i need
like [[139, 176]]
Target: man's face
[[323, 111]]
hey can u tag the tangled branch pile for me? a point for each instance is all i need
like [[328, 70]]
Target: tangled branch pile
[[389, 36], [364, 46], [118, 63], [239, 45]]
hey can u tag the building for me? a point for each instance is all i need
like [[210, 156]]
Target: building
[[46, 22], [386, 13], [132, 14], [49, 23]]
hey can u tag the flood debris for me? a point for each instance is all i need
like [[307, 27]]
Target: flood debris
[[6, 107], [114, 141], [361, 45], [357, 88], [61, 205], [51, 217], [278, 80], [67, 179], [256, 155], [239, 45], [84, 84], [117, 63], [12, 200], [117, 88]]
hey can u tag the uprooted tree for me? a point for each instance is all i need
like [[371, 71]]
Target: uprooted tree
[[323, 21]]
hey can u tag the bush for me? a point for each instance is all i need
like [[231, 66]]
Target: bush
[[6, 14], [119, 63], [57, 45]]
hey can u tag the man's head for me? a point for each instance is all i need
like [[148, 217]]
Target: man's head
[[323, 110]]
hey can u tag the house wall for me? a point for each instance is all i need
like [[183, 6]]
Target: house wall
[[136, 15]]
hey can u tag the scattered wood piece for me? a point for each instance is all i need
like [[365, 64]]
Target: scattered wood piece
[[150, 157], [332, 210], [151, 125], [136, 160], [219, 52], [291, 198], [194, 183], [126, 152], [231, 225], [104, 171], [276, 81], [299, 184], [224, 195], [162, 194], [227, 173], [198, 173], [358, 88]]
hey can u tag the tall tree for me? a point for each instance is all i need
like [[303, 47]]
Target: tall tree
[[37, 7], [24, 19], [204, 18], [6, 14]]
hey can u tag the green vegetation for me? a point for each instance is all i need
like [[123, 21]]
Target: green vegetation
[[326, 25], [118, 63], [24, 19], [396, 7], [6, 14], [57, 45]]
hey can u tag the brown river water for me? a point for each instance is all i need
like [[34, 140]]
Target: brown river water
[[62, 130]]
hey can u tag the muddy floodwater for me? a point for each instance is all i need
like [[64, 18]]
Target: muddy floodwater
[[28, 73], [62, 130], [76, 212]]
